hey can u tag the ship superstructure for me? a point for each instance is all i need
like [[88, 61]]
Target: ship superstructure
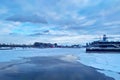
[[103, 46]]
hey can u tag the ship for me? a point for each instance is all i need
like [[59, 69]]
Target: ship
[[103, 46]]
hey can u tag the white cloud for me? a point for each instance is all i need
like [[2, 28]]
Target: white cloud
[[62, 16], [76, 39], [89, 23], [7, 27], [57, 11], [112, 23]]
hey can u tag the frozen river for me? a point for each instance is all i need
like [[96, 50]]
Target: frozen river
[[8, 55], [108, 64]]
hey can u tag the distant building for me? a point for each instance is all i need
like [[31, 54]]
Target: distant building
[[44, 45]]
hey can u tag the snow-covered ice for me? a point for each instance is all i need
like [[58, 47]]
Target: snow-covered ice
[[107, 63]]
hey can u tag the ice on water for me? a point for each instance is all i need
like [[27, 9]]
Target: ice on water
[[109, 64]]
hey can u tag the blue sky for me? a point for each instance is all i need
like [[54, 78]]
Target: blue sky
[[61, 21]]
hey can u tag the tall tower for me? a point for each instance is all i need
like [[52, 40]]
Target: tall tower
[[104, 38]]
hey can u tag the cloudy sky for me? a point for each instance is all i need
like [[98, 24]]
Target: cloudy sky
[[61, 21]]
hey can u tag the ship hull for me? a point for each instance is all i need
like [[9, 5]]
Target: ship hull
[[103, 50]]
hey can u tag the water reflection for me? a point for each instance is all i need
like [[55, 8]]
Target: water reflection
[[48, 68]]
